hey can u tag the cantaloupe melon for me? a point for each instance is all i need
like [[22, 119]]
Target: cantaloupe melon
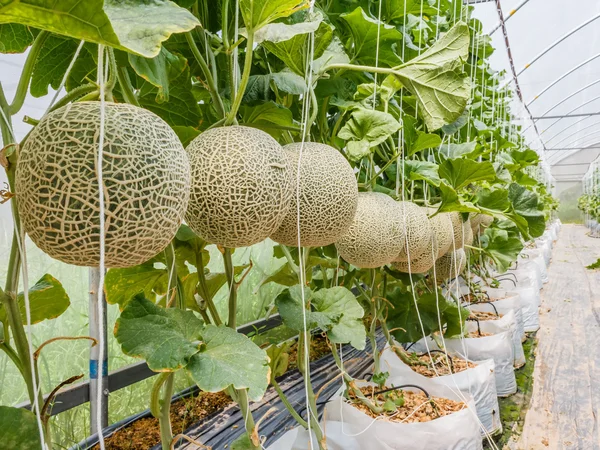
[[328, 196], [146, 177], [419, 263], [241, 186], [450, 265], [442, 231], [376, 234], [418, 229]]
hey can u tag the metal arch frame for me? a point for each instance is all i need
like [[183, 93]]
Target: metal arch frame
[[560, 102], [510, 14], [577, 122], [574, 109], [574, 134], [563, 76], [583, 146]]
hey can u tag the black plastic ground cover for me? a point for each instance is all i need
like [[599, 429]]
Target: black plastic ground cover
[[222, 428]]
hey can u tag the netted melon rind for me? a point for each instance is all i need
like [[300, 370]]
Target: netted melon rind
[[328, 196], [146, 177], [419, 263], [450, 265], [479, 222], [376, 234], [241, 186], [442, 231], [418, 229], [460, 231], [467, 233]]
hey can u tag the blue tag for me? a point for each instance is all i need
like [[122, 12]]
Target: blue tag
[[94, 368]]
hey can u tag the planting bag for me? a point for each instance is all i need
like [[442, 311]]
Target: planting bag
[[528, 274], [479, 382], [508, 322], [530, 303], [457, 431], [503, 306], [498, 347], [339, 437]]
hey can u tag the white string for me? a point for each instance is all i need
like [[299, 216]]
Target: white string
[[100, 290], [36, 388], [65, 76]]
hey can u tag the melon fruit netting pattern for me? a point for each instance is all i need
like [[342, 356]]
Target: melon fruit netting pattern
[[328, 196], [241, 186], [419, 232], [146, 184], [376, 235]]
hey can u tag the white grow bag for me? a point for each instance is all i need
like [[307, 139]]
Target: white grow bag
[[503, 303], [528, 273], [457, 431], [478, 382], [536, 257], [507, 322], [498, 347], [530, 307]]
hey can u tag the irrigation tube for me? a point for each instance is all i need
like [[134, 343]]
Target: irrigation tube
[[558, 41], [510, 14], [563, 76]]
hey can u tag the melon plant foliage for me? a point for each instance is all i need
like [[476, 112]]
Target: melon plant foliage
[[406, 104]]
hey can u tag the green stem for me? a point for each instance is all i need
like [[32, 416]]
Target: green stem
[[360, 68], [203, 290], [231, 117], [290, 259], [212, 87], [155, 394], [23, 85], [288, 405], [312, 412], [229, 272], [12, 354], [74, 94], [166, 433], [126, 86]]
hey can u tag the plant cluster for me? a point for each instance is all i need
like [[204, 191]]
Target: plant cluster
[[378, 128]]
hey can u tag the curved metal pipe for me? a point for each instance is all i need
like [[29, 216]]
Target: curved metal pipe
[[510, 14], [562, 155], [558, 41], [574, 134], [563, 76], [568, 97]]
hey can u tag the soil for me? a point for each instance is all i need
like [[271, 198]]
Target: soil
[[477, 334], [484, 315], [416, 408], [441, 366], [144, 433]]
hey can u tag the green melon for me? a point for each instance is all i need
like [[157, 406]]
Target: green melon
[[418, 229]]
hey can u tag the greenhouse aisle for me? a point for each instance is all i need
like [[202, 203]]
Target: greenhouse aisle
[[566, 397]]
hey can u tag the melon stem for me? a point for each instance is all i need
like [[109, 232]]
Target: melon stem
[[231, 117]]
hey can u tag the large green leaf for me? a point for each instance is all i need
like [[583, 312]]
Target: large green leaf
[[452, 201], [493, 200], [368, 34], [14, 38], [18, 429], [121, 285], [139, 26], [403, 315], [423, 141], [350, 328], [461, 172], [525, 204], [230, 358], [453, 150], [434, 78], [269, 117], [159, 71], [293, 52], [47, 300], [421, 170], [165, 337], [52, 63], [397, 9], [365, 129], [502, 248], [258, 13]]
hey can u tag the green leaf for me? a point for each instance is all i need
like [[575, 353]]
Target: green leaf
[[14, 38], [289, 82], [258, 13], [415, 169], [279, 358], [269, 117], [369, 127], [350, 328], [503, 250], [181, 109], [53, 61], [423, 141], [453, 151], [525, 204], [403, 316], [121, 285], [18, 429], [47, 300], [397, 9], [433, 77], [279, 32], [185, 134], [335, 311], [243, 442], [366, 33], [159, 71], [137, 26], [294, 51], [164, 337], [451, 201], [461, 172], [496, 199], [230, 358]]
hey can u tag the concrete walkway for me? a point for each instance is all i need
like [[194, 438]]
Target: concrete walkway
[[566, 393]]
